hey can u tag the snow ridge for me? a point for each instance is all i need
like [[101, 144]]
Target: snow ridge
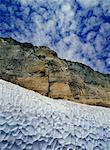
[[29, 121]]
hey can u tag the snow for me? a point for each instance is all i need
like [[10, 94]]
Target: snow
[[31, 121]]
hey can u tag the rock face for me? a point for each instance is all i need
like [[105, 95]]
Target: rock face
[[38, 84], [60, 90], [30, 121], [39, 69]]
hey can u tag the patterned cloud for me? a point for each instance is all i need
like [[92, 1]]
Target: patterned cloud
[[78, 30]]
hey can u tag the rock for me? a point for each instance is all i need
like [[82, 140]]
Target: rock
[[44, 51], [39, 69], [60, 90], [38, 84]]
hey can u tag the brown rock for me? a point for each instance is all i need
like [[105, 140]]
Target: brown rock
[[60, 90], [38, 84], [39, 69]]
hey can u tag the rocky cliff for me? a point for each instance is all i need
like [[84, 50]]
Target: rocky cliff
[[39, 69]]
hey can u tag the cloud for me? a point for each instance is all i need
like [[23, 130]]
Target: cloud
[[26, 2], [89, 3], [76, 30]]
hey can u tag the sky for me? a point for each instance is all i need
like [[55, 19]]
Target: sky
[[78, 30]]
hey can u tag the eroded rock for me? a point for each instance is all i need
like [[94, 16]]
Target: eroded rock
[[60, 90], [39, 69], [38, 84]]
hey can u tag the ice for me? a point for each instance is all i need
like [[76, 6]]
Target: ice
[[31, 121]]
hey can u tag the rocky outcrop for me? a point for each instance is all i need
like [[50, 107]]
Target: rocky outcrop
[[39, 69], [60, 90], [38, 84]]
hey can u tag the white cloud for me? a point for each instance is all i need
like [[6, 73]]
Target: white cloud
[[26, 2], [108, 61], [66, 7], [88, 3]]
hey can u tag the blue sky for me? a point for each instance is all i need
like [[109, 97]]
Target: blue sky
[[78, 30]]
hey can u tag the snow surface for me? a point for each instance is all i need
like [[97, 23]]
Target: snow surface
[[29, 121]]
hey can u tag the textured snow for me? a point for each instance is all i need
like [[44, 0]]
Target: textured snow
[[29, 121]]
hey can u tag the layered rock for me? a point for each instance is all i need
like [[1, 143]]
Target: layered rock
[[39, 69], [38, 84]]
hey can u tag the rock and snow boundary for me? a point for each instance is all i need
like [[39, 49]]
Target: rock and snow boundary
[[30, 121]]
